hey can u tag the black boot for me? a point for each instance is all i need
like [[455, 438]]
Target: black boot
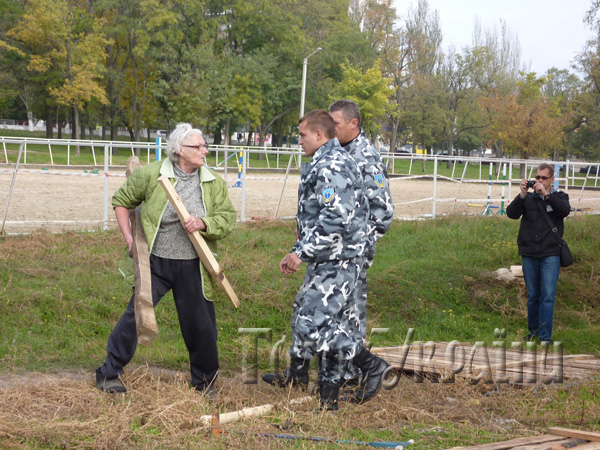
[[329, 396], [373, 369], [296, 374]]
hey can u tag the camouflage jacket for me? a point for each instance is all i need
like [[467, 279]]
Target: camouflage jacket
[[332, 207], [377, 185]]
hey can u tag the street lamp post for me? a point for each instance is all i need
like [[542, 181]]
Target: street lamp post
[[304, 64]]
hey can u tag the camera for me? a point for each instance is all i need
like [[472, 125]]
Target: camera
[[530, 184]]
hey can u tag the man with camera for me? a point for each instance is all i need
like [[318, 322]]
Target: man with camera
[[539, 246]]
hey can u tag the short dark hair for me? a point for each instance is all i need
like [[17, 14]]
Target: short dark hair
[[545, 166], [348, 108], [319, 120]]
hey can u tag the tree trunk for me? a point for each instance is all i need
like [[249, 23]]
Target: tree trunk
[[49, 133], [228, 132], [104, 110], [499, 148], [450, 150], [393, 143], [30, 119], [73, 128], [522, 172], [249, 140], [217, 136], [76, 129]]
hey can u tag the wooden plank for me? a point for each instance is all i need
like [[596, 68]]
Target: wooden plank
[[561, 444], [512, 443], [204, 252], [588, 446], [145, 320], [567, 432]]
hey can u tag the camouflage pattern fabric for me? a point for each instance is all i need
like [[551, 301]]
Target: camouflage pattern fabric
[[324, 315], [332, 208], [377, 187], [381, 215], [332, 238]]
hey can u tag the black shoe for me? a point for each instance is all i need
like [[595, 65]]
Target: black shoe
[[109, 385], [349, 388], [296, 374], [373, 369], [208, 391], [329, 396]]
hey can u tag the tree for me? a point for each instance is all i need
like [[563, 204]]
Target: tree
[[422, 112], [64, 37], [370, 91], [527, 123], [587, 121]]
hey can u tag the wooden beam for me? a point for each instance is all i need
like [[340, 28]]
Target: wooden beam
[[254, 411], [567, 432], [145, 320], [204, 252]]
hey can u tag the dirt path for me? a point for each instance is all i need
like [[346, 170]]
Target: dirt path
[[69, 199]]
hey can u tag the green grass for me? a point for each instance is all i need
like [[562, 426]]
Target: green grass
[[60, 295]]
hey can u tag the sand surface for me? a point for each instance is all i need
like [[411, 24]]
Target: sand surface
[[58, 199]]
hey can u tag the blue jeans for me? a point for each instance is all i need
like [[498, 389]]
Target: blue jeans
[[541, 277]]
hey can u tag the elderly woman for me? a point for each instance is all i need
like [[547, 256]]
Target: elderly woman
[[174, 263]]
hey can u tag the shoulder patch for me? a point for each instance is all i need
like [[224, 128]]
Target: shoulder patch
[[328, 193], [379, 180]]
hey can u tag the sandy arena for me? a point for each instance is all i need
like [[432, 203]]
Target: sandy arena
[[60, 199]]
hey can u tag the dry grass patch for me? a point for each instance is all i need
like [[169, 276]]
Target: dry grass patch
[[161, 411]]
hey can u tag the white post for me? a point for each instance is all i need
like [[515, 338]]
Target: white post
[[243, 212], [303, 91], [461, 182], [510, 171], [50, 150], [12, 185], [106, 153], [435, 171], [266, 155], [287, 172]]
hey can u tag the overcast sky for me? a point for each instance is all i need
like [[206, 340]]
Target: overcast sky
[[550, 32]]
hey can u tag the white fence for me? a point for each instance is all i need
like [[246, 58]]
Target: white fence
[[486, 176]]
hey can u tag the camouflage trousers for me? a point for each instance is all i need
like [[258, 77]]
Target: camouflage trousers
[[360, 332], [325, 319]]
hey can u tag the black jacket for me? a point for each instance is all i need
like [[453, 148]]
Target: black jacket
[[536, 239]]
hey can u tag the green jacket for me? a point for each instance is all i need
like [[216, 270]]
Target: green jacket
[[142, 188]]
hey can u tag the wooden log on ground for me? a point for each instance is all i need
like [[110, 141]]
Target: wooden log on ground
[[250, 412], [567, 432], [145, 320], [204, 252]]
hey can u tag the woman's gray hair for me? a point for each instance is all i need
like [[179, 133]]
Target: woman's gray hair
[[181, 131]]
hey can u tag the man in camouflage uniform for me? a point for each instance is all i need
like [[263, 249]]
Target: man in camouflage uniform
[[332, 239], [346, 115]]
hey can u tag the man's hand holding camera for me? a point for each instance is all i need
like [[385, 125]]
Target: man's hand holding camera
[[537, 186]]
